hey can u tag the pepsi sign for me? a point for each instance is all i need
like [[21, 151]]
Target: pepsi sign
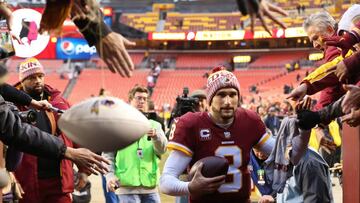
[[74, 48]]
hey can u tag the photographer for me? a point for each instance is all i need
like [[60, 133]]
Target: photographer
[[183, 105], [201, 96], [29, 139]]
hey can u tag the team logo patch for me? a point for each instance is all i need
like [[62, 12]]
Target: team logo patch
[[205, 135], [225, 80], [105, 102], [227, 135]]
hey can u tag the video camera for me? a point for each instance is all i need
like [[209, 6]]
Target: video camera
[[28, 116], [184, 104]]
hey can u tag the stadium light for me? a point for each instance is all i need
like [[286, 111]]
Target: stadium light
[[53, 39], [107, 11], [242, 59]]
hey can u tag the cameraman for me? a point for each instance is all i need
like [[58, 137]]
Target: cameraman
[[195, 103], [201, 96], [29, 139]]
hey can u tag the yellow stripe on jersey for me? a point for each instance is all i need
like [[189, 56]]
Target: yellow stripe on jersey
[[179, 147], [266, 143], [325, 69], [263, 140]]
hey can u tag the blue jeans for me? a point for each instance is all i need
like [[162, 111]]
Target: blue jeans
[[140, 198], [110, 197], [182, 199]]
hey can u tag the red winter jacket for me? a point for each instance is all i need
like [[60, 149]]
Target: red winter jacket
[[26, 173]]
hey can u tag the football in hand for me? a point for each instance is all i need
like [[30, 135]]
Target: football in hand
[[212, 166]]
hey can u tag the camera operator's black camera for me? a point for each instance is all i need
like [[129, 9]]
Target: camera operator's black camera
[[184, 104], [28, 116]]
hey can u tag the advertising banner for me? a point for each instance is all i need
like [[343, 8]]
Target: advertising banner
[[74, 48]]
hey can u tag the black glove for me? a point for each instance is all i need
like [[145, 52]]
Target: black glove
[[307, 119]]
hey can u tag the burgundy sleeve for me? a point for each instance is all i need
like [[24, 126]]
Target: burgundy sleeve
[[181, 136]]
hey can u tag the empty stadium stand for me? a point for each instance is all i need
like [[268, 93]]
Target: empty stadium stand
[[91, 80], [221, 15], [201, 6], [169, 85], [187, 61], [184, 22], [277, 60], [137, 58]]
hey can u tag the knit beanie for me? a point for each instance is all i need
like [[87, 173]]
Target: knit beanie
[[29, 67], [220, 78]]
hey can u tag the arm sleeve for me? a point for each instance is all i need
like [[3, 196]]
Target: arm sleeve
[[169, 180], [160, 142], [111, 157], [331, 111], [11, 94], [13, 159], [265, 141], [322, 77], [27, 138], [181, 136], [93, 31]]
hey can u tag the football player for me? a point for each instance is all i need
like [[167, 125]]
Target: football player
[[227, 130]]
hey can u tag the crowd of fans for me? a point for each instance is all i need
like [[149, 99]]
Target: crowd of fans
[[134, 172]]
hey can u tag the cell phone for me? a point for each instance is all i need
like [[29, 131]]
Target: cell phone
[[6, 42]]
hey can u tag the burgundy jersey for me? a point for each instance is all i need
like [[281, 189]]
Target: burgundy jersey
[[196, 135]]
